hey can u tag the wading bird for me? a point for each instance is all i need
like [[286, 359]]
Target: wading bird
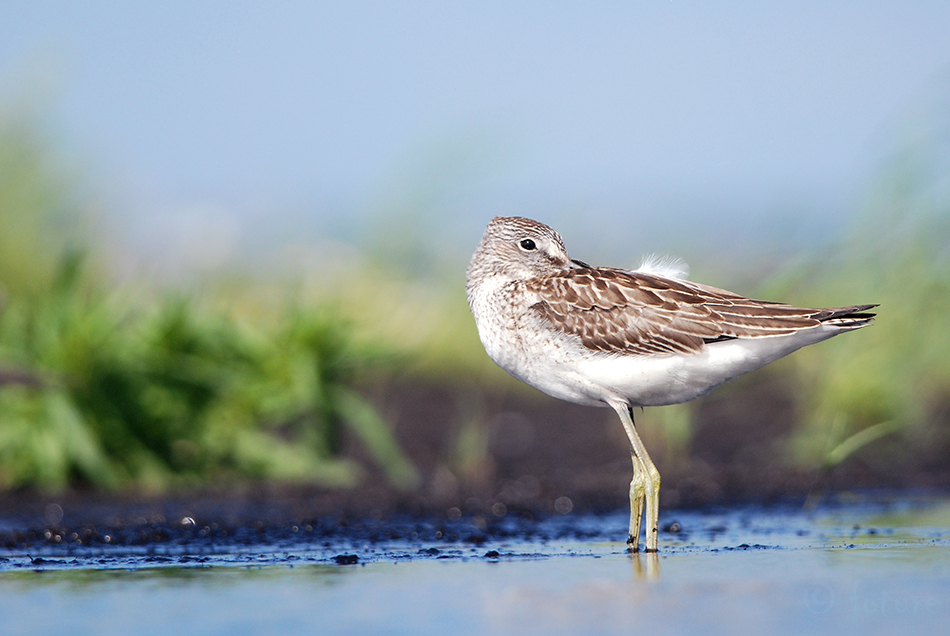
[[611, 337]]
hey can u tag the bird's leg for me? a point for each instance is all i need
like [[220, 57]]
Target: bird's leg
[[650, 476], [637, 490]]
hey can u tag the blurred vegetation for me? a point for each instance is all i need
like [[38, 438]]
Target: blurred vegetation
[[132, 386], [893, 379]]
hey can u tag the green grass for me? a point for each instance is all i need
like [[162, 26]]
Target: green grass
[[117, 391]]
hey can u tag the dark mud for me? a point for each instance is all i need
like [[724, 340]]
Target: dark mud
[[193, 541]]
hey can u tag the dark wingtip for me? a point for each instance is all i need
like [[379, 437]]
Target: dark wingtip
[[856, 312], [848, 317]]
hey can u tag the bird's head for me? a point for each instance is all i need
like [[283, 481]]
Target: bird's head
[[519, 249]]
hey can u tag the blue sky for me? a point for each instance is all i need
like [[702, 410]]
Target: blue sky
[[552, 109]]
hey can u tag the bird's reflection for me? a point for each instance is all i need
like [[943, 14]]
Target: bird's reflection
[[646, 565]]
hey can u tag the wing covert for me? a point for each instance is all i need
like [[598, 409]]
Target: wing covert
[[615, 310]]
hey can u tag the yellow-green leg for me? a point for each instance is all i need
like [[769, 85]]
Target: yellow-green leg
[[637, 495], [645, 476]]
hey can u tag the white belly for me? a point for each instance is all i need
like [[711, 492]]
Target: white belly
[[561, 367]]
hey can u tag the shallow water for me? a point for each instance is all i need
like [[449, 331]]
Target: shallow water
[[868, 567]]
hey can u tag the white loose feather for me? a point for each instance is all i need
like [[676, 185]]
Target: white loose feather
[[662, 265]]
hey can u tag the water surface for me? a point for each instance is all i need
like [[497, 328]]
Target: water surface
[[874, 568]]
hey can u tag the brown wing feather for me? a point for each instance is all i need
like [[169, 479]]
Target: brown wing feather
[[615, 310]]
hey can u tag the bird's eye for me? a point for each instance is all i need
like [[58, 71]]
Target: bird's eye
[[528, 244]]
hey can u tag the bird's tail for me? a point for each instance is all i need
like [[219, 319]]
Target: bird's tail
[[846, 318]]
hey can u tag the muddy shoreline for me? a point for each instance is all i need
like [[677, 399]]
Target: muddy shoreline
[[172, 530]]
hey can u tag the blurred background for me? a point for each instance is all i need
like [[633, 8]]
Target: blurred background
[[233, 240]]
